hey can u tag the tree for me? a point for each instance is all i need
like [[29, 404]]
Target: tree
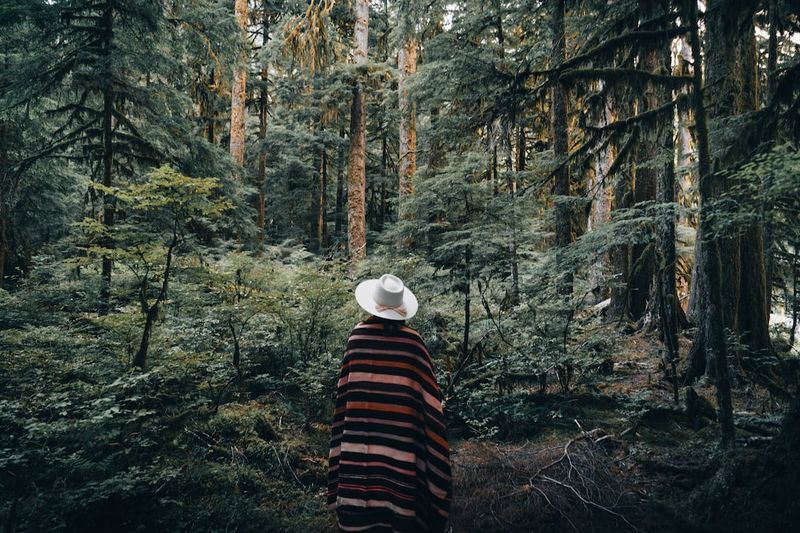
[[356, 176], [709, 267], [563, 210], [406, 66], [159, 215], [239, 86], [732, 85]]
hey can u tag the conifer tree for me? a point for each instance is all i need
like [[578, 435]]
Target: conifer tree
[[356, 177], [239, 86]]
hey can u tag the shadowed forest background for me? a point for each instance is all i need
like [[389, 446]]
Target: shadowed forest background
[[597, 203]]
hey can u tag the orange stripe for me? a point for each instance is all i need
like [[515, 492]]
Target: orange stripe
[[392, 364], [385, 407]]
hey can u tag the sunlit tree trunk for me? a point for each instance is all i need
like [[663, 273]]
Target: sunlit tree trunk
[[238, 89], [407, 164], [356, 178], [599, 191]]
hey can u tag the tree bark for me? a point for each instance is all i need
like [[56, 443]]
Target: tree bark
[[658, 143], [108, 158], [210, 133], [772, 65], [709, 267], [323, 219], [561, 188], [599, 190], [753, 314], [732, 90], [140, 359], [315, 210], [263, 116], [406, 66], [356, 179], [238, 89], [3, 208], [339, 214]]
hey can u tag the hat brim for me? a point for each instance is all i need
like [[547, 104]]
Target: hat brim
[[364, 293]]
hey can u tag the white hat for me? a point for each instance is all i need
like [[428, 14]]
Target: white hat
[[387, 297]]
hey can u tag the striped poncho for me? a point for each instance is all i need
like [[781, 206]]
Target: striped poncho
[[389, 462]]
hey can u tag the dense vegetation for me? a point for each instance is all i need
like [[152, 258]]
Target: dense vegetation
[[596, 203]]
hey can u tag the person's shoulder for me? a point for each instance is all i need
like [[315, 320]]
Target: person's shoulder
[[412, 332]]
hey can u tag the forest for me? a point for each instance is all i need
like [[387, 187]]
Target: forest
[[596, 203]]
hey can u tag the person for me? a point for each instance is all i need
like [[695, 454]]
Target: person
[[389, 461]]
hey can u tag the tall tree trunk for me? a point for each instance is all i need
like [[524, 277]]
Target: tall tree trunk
[[732, 90], [356, 178], [561, 188], [658, 144], [407, 164], [709, 262], [210, 134], [339, 215], [314, 212], [754, 311], [3, 208], [660, 141], [263, 116], [644, 186], [323, 207], [108, 158], [599, 189], [238, 89], [772, 65], [3, 240]]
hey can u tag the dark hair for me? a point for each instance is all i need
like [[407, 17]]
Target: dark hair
[[389, 325]]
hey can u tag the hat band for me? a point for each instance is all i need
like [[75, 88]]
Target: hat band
[[399, 309]]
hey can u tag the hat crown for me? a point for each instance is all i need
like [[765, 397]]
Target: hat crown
[[389, 291]]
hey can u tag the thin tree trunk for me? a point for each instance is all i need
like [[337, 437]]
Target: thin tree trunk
[[407, 164], [709, 268], [140, 359], [467, 286], [356, 179], [315, 210], [210, 134], [108, 158], [339, 215], [261, 202], [795, 303], [4, 246], [772, 65], [263, 117], [325, 239], [238, 89]]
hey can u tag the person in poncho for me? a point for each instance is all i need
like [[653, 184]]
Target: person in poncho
[[389, 461]]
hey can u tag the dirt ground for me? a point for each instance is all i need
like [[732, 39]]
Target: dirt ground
[[624, 457]]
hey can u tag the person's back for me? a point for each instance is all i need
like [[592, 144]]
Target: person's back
[[389, 457]]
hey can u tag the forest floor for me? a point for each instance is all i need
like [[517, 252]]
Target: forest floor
[[620, 457]]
